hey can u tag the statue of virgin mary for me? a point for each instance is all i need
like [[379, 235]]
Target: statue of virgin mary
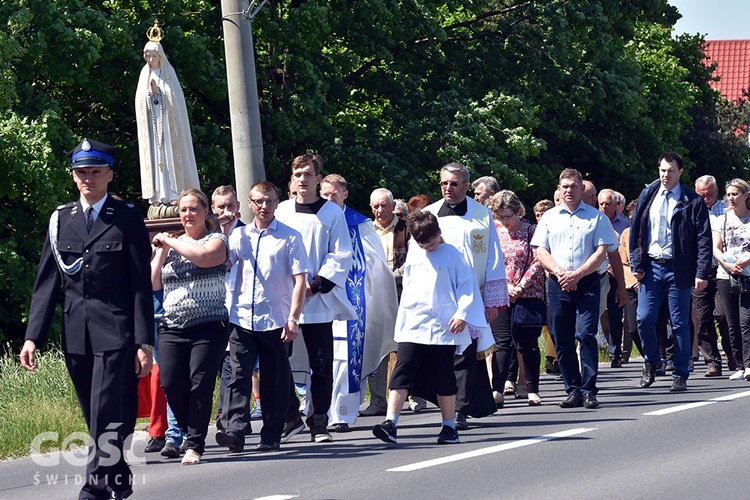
[[165, 145]]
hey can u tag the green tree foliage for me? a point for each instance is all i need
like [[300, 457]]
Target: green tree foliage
[[385, 90]]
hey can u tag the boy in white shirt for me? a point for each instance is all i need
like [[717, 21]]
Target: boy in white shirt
[[439, 301]]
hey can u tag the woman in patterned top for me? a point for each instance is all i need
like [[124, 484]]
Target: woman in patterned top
[[194, 330], [525, 279], [731, 246]]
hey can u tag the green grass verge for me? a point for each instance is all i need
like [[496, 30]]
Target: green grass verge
[[36, 402]]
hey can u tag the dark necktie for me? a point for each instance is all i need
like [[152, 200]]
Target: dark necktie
[[89, 218]]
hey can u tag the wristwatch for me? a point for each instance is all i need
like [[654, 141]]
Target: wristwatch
[[293, 320]]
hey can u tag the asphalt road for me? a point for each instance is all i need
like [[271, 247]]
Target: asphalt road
[[641, 443]]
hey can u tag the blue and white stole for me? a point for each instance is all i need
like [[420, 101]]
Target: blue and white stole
[[355, 292]]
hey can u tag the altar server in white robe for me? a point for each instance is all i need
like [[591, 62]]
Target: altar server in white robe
[[329, 250]]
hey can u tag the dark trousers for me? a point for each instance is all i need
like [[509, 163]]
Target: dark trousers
[[510, 340], [189, 360], [705, 304], [438, 361], [465, 368], [245, 346], [99, 382], [225, 377], [631, 330], [614, 317], [566, 310], [319, 344], [737, 309]]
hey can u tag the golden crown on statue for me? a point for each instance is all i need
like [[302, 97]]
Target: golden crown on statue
[[154, 33]]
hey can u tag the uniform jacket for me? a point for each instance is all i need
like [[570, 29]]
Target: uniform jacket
[[110, 292], [691, 236]]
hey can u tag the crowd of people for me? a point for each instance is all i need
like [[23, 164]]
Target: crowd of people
[[428, 301]]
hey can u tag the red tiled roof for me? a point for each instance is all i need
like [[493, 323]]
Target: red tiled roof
[[733, 66]]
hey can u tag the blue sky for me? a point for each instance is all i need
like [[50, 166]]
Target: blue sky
[[716, 19]]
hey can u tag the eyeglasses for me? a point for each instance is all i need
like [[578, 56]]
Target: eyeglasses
[[506, 217], [451, 183], [260, 203]]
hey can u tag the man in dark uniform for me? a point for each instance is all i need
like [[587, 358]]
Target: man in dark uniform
[[98, 248]]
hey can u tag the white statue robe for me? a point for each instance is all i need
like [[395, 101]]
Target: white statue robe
[[165, 145]]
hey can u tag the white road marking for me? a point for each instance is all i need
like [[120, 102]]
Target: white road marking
[[689, 406], [489, 450], [277, 497]]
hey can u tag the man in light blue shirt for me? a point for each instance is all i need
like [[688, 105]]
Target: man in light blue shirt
[[267, 287], [572, 241]]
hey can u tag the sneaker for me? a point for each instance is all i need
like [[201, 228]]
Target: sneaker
[[386, 431], [738, 375], [320, 435], [747, 374], [417, 404], [670, 366], [155, 444], [318, 425], [448, 435], [678, 385], [291, 429], [170, 450], [256, 414], [267, 445]]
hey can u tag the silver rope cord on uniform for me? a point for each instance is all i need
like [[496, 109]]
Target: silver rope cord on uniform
[[53, 229]]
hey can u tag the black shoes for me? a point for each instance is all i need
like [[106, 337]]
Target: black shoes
[[155, 444], [573, 401], [385, 432], [590, 401], [448, 435], [231, 440], [616, 363], [291, 429], [461, 423], [678, 385], [341, 427], [648, 375], [170, 450], [267, 445]]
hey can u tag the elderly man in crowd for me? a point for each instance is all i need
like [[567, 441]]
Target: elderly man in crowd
[[484, 188], [707, 304]]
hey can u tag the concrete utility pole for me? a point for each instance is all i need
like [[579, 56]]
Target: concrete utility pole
[[247, 142]]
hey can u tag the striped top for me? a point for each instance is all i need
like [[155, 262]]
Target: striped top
[[192, 294]]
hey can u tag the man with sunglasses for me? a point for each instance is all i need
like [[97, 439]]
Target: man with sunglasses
[[468, 225]]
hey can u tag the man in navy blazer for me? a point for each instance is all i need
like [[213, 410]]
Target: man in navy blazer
[[670, 252], [98, 249]]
